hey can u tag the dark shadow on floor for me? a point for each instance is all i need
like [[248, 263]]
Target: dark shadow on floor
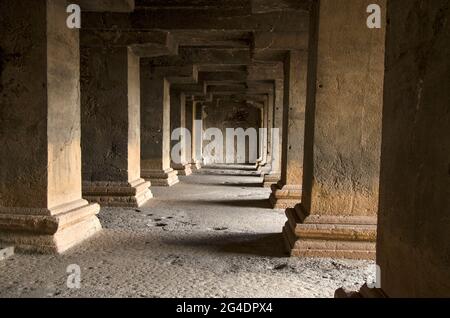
[[232, 167], [226, 174], [259, 203], [264, 245], [239, 185]]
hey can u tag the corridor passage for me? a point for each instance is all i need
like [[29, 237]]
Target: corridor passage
[[212, 235]]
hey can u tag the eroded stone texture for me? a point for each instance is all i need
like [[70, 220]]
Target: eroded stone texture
[[155, 130], [110, 95], [413, 244], [226, 114], [287, 192], [178, 122], [41, 208], [277, 137], [106, 5], [337, 216], [197, 135]]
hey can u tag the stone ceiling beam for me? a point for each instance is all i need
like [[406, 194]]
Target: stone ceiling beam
[[173, 20], [106, 5], [142, 43], [205, 56], [262, 6]]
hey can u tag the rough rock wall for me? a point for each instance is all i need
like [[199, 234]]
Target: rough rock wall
[[40, 106], [23, 82], [155, 121], [104, 113], [414, 218], [230, 115], [343, 168], [63, 93]]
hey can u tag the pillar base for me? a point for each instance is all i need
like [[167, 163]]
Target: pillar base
[[285, 197], [329, 236], [161, 178], [196, 165], [264, 169], [49, 230], [364, 292], [118, 194], [183, 169], [271, 179]]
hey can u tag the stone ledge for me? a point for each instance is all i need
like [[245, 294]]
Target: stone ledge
[[118, 194], [50, 234], [271, 180], [344, 240], [162, 178], [183, 169], [286, 197]]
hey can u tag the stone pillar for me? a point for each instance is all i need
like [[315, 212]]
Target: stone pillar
[[178, 120], [41, 208], [110, 99], [338, 213], [276, 137], [264, 135], [268, 110], [413, 224], [261, 139], [287, 192], [197, 135], [190, 127], [155, 129]]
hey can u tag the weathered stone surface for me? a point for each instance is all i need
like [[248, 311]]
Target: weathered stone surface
[[123, 194], [110, 96], [330, 236], [143, 43], [293, 131], [106, 5], [177, 122], [167, 19], [285, 196], [274, 176], [223, 114], [413, 246], [343, 132], [40, 203], [155, 130]]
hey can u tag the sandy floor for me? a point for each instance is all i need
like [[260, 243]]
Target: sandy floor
[[209, 236]]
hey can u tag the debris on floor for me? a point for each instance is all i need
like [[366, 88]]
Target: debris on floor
[[6, 252]]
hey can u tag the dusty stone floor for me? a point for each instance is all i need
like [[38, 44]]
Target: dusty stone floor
[[209, 236]]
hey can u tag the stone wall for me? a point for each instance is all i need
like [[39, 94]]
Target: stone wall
[[345, 112], [40, 106], [414, 219], [227, 114]]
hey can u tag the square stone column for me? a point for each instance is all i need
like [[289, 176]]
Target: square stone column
[[197, 135], [263, 137], [266, 168], [413, 243], [190, 122], [41, 208], [155, 130], [276, 137], [287, 192], [110, 99], [338, 213], [178, 121]]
